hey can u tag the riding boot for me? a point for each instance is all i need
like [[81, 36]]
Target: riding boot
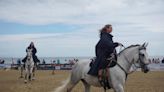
[[107, 83], [100, 77], [107, 79]]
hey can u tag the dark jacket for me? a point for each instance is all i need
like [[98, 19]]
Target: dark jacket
[[104, 48]]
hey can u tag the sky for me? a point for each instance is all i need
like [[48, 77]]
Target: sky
[[62, 28]]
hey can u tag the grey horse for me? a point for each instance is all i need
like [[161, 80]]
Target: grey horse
[[132, 55]]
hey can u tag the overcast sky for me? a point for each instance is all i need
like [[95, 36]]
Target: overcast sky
[[70, 27]]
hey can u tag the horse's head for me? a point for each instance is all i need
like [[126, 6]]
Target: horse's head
[[29, 54], [136, 55], [143, 58]]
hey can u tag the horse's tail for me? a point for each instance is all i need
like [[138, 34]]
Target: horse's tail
[[68, 84], [64, 86]]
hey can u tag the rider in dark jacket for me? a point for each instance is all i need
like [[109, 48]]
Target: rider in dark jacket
[[34, 51], [104, 48]]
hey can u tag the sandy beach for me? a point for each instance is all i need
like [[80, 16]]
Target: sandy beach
[[46, 82]]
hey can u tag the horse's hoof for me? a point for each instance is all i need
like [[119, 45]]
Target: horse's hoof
[[25, 81], [33, 78]]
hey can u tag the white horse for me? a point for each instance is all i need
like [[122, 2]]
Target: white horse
[[29, 66], [132, 55]]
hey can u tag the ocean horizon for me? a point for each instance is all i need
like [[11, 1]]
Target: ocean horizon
[[63, 60], [10, 60]]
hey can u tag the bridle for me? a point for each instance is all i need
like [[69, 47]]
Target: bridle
[[140, 61], [142, 64]]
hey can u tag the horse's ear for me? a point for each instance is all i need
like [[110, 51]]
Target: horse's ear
[[144, 45]]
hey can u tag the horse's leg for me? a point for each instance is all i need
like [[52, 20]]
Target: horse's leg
[[33, 73], [71, 85], [68, 85], [21, 71], [86, 85], [71, 82], [118, 88], [26, 72], [30, 72], [75, 78]]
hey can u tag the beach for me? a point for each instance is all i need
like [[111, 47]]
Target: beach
[[46, 82]]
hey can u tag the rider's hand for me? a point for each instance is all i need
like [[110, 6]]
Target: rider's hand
[[120, 44]]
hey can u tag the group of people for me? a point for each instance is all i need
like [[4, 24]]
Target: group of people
[[2, 61], [70, 61], [156, 60]]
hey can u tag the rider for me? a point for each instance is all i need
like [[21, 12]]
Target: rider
[[104, 48], [34, 51]]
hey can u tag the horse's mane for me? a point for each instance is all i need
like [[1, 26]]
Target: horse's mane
[[128, 48]]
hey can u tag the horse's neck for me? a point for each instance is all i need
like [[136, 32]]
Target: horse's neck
[[31, 60], [126, 58]]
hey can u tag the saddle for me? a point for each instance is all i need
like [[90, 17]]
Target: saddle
[[111, 62]]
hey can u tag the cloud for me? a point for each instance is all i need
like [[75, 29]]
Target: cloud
[[133, 22], [76, 43], [24, 37], [145, 13]]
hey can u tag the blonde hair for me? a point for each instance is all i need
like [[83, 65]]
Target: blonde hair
[[104, 28]]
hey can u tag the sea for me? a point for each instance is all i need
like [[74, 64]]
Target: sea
[[63, 60]]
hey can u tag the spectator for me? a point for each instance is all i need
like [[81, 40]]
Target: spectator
[[153, 61], [44, 62], [19, 62], [163, 60], [54, 61], [2, 61], [150, 61]]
